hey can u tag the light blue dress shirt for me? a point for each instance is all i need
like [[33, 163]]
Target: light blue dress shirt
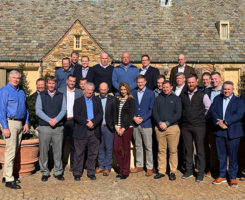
[[12, 105], [85, 71], [215, 93], [103, 101], [226, 101], [143, 71], [89, 106], [140, 95]]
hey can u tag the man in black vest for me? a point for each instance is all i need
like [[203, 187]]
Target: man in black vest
[[151, 73], [51, 108], [195, 105]]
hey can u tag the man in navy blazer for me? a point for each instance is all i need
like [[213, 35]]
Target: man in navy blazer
[[71, 94], [150, 73], [88, 115], [144, 100], [227, 111]]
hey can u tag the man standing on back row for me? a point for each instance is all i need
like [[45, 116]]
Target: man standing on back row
[[13, 115]]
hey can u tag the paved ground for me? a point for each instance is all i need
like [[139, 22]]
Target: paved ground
[[137, 186]]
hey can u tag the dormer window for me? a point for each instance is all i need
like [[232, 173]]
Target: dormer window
[[223, 29], [165, 3], [77, 42]]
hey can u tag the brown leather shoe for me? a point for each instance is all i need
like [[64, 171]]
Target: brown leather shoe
[[233, 183], [137, 169], [208, 174], [148, 172], [106, 172], [99, 170], [219, 180]]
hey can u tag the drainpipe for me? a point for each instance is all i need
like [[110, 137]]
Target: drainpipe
[[41, 71]]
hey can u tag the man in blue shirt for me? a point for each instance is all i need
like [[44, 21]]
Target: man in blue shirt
[[51, 108], [125, 72], [13, 114], [63, 72]]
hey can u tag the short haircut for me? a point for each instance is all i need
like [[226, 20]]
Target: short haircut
[[167, 82], [89, 84], [215, 73], [40, 79], [161, 76], [206, 74], [51, 78], [14, 72], [106, 84], [229, 83], [74, 52], [85, 57], [83, 79], [145, 55], [70, 75], [192, 76], [66, 58], [180, 74], [140, 77]]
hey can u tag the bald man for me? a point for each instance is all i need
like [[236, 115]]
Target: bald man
[[102, 72], [125, 72], [182, 67]]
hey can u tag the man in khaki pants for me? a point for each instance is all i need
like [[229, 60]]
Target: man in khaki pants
[[13, 115], [166, 112]]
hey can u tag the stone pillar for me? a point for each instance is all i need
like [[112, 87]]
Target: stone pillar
[[2, 77]]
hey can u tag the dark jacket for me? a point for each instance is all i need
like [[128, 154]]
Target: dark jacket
[[193, 111], [144, 109], [78, 74], [188, 71], [127, 113], [151, 77], [233, 116], [110, 111], [101, 74], [167, 108], [80, 117]]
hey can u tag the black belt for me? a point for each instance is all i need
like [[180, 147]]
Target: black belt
[[103, 125], [15, 119]]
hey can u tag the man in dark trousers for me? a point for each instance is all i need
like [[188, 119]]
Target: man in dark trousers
[[83, 71], [151, 73], [182, 67], [107, 129], [88, 115], [102, 72], [71, 93], [227, 111], [195, 105], [51, 108]]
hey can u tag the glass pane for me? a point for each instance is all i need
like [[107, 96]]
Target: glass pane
[[224, 30], [77, 42]]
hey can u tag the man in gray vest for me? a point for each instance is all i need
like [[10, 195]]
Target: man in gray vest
[[51, 108]]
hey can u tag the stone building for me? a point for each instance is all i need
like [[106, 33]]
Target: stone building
[[40, 33]]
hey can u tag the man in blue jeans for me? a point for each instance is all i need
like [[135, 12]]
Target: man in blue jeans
[[107, 137]]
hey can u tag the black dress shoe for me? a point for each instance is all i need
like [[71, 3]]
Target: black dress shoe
[[124, 176], [119, 176], [59, 177], [159, 175], [172, 177], [16, 180], [12, 185], [45, 178], [92, 177], [77, 178]]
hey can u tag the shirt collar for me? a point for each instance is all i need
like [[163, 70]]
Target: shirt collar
[[142, 90], [85, 69], [123, 66], [87, 99], [15, 88], [104, 66], [192, 92], [180, 87], [143, 69], [228, 98], [181, 67], [218, 89], [103, 97], [70, 68], [51, 93], [69, 90]]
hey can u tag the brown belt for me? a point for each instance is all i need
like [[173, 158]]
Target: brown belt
[[103, 125], [69, 118]]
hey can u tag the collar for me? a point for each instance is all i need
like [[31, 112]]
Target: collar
[[15, 88], [180, 87], [51, 93], [69, 90], [70, 68], [228, 98], [123, 66], [218, 89], [85, 69], [145, 68], [181, 67], [103, 97], [87, 99], [104, 66], [142, 90], [192, 92], [166, 95]]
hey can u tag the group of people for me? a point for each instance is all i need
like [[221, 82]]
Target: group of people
[[100, 109]]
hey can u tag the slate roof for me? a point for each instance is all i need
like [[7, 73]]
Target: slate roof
[[30, 28]]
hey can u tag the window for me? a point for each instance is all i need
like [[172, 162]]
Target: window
[[224, 29], [165, 3], [77, 42]]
